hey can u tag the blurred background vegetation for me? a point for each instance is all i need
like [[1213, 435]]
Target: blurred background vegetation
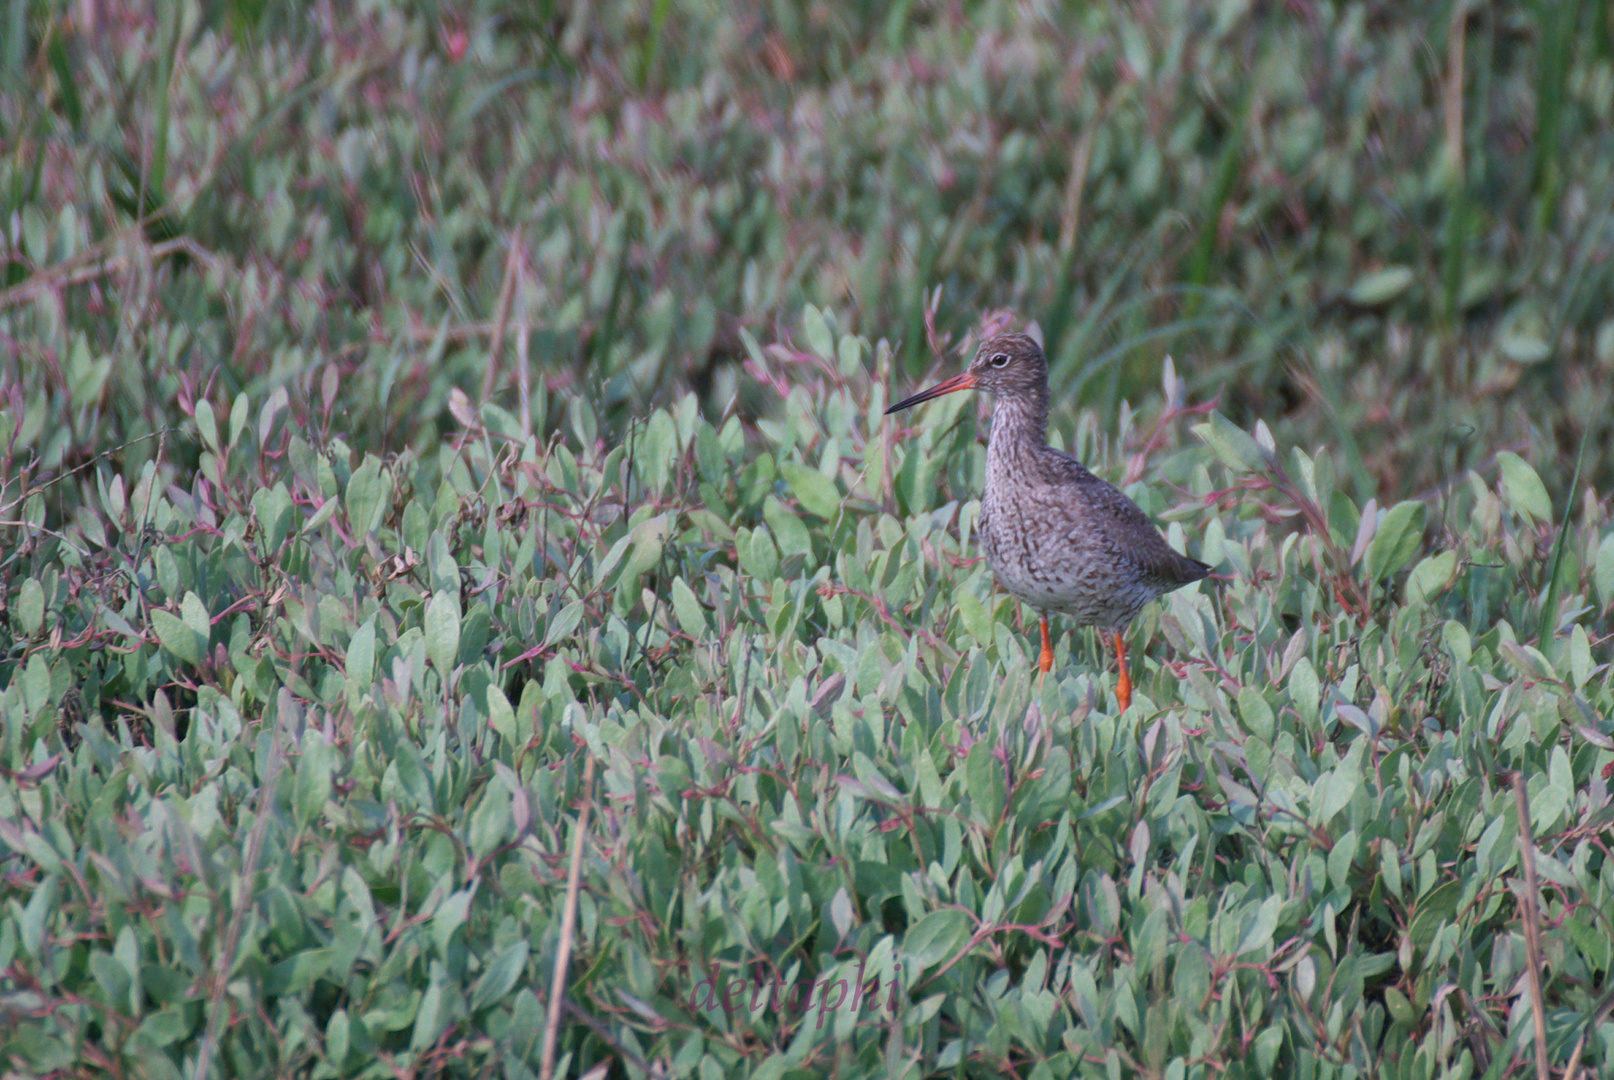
[[1384, 227], [442, 395]]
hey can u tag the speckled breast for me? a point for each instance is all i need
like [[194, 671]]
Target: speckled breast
[[1054, 567]]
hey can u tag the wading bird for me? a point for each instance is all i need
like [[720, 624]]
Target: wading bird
[[1056, 536]]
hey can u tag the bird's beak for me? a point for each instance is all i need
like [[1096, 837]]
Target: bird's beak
[[965, 381]]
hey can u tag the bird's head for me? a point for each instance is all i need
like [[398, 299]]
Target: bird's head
[[1005, 365]]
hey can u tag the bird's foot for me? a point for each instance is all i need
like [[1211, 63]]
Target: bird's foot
[[1123, 683], [1045, 662]]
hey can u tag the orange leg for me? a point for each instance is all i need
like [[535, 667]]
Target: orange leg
[[1123, 684], [1045, 662]]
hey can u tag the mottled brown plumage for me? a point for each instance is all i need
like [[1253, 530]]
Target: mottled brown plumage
[[1055, 535]]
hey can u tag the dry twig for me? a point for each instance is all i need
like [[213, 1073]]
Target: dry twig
[[1599, 1014], [97, 262], [568, 922], [1531, 903], [501, 313]]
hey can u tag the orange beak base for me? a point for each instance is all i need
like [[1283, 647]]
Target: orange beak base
[[965, 381]]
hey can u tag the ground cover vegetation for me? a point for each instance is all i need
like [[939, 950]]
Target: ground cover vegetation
[[439, 438]]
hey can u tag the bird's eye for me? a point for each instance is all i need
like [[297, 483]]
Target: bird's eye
[[1000, 359]]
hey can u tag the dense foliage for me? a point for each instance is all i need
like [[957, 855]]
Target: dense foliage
[[1372, 230], [822, 750], [409, 413]]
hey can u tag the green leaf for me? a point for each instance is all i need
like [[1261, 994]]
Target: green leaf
[[819, 337], [1523, 347], [649, 543], [1454, 635], [816, 492], [1397, 540], [1400, 1008], [360, 662], [691, 616], [564, 623], [440, 563], [36, 682], [1523, 488], [984, 774], [1390, 867], [1431, 577], [657, 450], [110, 976], [177, 637], [500, 421], [612, 560], [1256, 713], [1605, 570], [368, 493], [1556, 796], [977, 620], [313, 784], [1380, 286], [451, 915], [1437, 906], [37, 848], [753, 350], [491, 820], [299, 972], [31, 607], [758, 556], [1258, 935], [41, 907], [429, 1020], [1233, 446], [788, 530], [165, 1027], [1305, 690], [238, 417], [851, 356], [326, 511], [206, 425], [443, 631], [394, 1013], [337, 1036], [194, 612], [1268, 1045], [501, 975], [501, 717], [273, 508], [1335, 789], [935, 939], [1344, 519], [1580, 656], [1341, 858]]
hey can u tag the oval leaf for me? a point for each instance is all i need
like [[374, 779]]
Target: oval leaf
[[1397, 540], [365, 491], [1233, 446], [177, 637], [936, 938], [1381, 286], [819, 337], [816, 492], [1523, 488], [443, 631], [31, 607]]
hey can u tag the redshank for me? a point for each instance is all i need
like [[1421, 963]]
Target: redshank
[[1056, 536]]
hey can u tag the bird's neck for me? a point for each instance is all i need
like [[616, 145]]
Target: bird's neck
[[1019, 427]]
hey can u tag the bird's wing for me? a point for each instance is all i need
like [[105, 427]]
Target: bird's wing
[[1126, 526]]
